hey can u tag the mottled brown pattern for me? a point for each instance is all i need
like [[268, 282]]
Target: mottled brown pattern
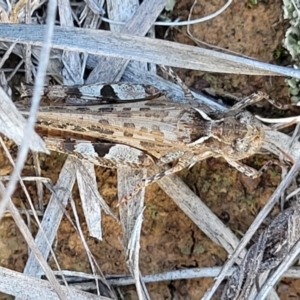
[[147, 144], [129, 125], [101, 130], [128, 134], [124, 114], [143, 129], [104, 122], [167, 127], [101, 92], [160, 114]]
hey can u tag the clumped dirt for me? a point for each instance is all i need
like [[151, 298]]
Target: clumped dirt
[[170, 240], [254, 32]]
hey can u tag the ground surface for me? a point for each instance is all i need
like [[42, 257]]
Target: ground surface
[[169, 239]]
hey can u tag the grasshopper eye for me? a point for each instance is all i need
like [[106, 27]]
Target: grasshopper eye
[[244, 117], [240, 145]]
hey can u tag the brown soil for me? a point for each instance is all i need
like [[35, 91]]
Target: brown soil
[[170, 240]]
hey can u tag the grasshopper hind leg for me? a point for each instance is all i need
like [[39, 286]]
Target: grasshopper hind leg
[[252, 173], [184, 161], [170, 157]]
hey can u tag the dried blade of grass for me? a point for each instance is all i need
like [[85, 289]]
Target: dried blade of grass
[[133, 258], [94, 12], [130, 47], [92, 20], [139, 24], [52, 216], [131, 218], [126, 11], [28, 64], [95, 6], [91, 200], [31, 243], [12, 124], [28, 288], [282, 141], [254, 226], [71, 60], [4, 84], [92, 260], [90, 204], [29, 129], [39, 185]]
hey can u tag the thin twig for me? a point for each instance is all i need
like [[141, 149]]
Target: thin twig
[[28, 178], [194, 273], [180, 23]]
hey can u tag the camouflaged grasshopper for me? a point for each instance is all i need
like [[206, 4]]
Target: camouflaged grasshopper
[[161, 131]]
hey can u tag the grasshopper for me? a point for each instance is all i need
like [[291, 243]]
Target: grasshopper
[[161, 132]]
